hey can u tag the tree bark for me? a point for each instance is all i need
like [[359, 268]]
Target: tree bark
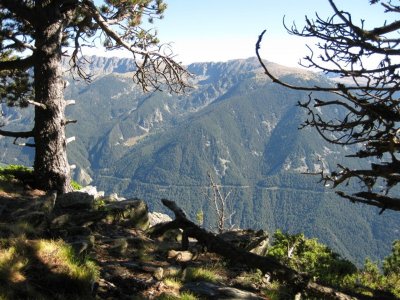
[[52, 171]]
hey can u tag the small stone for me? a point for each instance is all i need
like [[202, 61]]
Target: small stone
[[180, 256], [158, 273], [115, 197], [60, 220], [214, 291]]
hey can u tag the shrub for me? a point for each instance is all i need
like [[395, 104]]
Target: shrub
[[11, 172], [309, 256]]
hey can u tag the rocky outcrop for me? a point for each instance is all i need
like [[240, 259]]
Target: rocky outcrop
[[157, 218], [253, 241], [128, 213], [111, 231]]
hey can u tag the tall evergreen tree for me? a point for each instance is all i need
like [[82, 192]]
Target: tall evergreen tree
[[34, 35], [370, 102]]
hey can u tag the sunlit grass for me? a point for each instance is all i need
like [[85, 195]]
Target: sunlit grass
[[188, 296], [201, 274], [173, 282], [39, 269], [61, 257]]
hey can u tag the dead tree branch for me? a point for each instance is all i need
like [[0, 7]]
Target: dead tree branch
[[368, 108], [299, 282]]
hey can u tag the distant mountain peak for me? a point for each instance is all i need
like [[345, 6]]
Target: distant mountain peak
[[98, 65]]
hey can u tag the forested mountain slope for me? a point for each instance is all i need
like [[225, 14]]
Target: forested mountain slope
[[235, 124]]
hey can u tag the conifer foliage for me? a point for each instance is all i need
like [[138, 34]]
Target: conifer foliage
[[34, 38]]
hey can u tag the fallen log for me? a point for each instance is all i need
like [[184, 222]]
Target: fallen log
[[300, 283]]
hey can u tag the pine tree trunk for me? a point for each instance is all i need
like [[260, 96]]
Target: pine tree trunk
[[51, 168]]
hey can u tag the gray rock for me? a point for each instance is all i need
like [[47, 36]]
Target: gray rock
[[60, 220], [115, 197], [214, 291], [158, 273], [181, 256], [92, 190], [112, 198], [131, 212], [157, 218], [77, 218], [75, 200], [253, 241]]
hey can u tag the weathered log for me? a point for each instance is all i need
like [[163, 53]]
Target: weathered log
[[301, 283]]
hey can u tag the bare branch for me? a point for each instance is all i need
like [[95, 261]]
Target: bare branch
[[70, 139], [373, 34], [220, 202], [67, 121], [36, 104], [19, 134], [304, 88], [373, 199], [369, 107], [70, 102], [23, 144]]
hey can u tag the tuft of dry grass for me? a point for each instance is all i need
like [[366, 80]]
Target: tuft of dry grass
[[201, 274], [43, 269]]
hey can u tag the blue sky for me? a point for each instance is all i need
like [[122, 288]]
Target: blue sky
[[219, 30]]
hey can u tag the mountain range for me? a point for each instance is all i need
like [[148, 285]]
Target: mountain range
[[234, 124]]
